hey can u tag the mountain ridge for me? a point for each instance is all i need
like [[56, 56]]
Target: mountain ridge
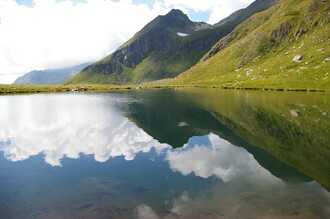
[[164, 48]]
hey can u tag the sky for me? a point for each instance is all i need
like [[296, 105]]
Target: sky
[[45, 34]]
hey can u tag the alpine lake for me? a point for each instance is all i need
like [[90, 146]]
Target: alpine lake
[[165, 153]]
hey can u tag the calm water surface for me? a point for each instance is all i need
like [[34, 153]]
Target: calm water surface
[[190, 153]]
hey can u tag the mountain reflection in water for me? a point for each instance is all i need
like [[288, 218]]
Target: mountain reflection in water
[[163, 153]]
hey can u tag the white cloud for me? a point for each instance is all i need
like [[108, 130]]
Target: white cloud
[[218, 9], [224, 8], [58, 34], [52, 35]]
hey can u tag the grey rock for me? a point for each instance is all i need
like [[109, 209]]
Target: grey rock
[[324, 114], [295, 113], [327, 59], [300, 32], [297, 58]]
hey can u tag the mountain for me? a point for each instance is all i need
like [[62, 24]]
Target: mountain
[[50, 76], [241, 15], [175, 116], [164, 48], [286, 47]]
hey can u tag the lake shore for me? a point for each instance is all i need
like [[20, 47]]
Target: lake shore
[[24, 88]]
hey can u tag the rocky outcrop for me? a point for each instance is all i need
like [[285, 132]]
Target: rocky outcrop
[[280, 34], [223, 43], [156, 39]]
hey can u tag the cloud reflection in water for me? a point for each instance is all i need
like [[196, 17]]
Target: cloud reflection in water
[[95, 128], [61, 127], [69, 126], [216, 157]]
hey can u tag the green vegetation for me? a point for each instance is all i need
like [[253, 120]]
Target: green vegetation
[[153, 53], [158, 52], [259, 52], [20, 89]]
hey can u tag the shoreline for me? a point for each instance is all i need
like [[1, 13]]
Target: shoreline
[[30, 89]]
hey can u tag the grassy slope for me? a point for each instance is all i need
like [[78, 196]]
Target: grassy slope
[[267, 66]]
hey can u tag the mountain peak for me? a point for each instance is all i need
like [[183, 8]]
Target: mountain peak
[[165, 47], [178, 20], [176, 12]]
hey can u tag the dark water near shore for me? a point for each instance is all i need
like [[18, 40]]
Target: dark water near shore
[[187, 153]]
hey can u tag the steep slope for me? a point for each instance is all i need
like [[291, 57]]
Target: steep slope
[[241, 15], [284, 47], [50, 76], [164, 48]]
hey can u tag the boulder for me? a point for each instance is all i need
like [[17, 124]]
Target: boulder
[[297, 58], [295, 113], [327, 59]]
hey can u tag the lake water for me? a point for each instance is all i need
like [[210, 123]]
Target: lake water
[[184, 153]]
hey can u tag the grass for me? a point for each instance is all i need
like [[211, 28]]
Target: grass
[[261, 58], [21, 89]]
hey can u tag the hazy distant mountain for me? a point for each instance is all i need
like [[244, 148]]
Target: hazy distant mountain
[[50, 76], [164, 48]]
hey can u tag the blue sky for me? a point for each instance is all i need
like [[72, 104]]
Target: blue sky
[[43, 34], [29, 3], [193, 15]]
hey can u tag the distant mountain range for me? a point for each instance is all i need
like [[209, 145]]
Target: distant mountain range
[[164, 48], [50, 76]]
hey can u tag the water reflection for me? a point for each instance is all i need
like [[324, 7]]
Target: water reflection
[[103, 132], [189, 157], [236, 201], [219, 158], [70, 131]]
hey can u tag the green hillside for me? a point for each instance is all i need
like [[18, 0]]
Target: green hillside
[[164, 48], [259, 53]]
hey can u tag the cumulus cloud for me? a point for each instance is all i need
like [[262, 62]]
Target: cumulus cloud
[[218, 9], [39, 125], [57, 34]]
